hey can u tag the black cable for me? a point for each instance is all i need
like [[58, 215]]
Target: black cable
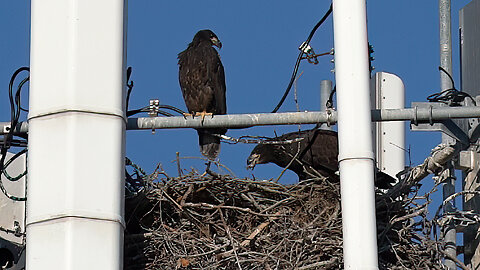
[[449, 76], [451, 96], [18, 177], [16, 143], [129, 86], [18, 95], [329, 103], [144, 109], [147, 109], [172, 108], [15, 115], [299, 58]]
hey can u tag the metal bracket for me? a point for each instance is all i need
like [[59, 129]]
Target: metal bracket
[[305, 48], [474, 131], [153, 109], [17, 228], [6, 129], [448, 127], [468, 160]]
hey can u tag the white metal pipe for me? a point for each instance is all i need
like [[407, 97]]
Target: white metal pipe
[[76, 136], [356, 159], [448, 232]]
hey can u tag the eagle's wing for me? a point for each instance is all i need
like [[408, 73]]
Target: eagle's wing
[[216, 82], [324, 150]]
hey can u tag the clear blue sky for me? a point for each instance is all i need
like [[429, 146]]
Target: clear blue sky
[[260, 40]]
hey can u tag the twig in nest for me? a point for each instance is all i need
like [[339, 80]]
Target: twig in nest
[[215, 162], [294, 158], [227, 230], [455, 259], [317, 264], [212, 173], [179, 169], [211, 206], [208, 218], [259, 230]]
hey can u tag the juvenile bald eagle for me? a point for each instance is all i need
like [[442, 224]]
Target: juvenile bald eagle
[[202, 80], [317, 152]]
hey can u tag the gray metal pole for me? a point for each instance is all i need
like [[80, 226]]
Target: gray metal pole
[[449, 231], [325, 90], [416, 114]]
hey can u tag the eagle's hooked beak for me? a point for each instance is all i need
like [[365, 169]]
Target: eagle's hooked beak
[[216, 42], [252, 161]]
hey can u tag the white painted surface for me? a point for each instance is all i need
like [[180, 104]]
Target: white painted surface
[[356, 159], [75, 203], [389, 136]]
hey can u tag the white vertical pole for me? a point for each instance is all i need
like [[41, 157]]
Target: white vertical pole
[[356, 159], [76, 138]]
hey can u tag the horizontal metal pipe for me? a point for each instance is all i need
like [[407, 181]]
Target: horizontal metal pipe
[[429, 114], [231, 120], [21, 128]]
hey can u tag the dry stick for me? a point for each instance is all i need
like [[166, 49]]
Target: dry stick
[[211, 206], [184, 197], [210, 251], [276, 204], [431, 164], [227, 229], [212, 173], [294, 158], [317, 264], [298, 109], [259, 229], [422, 209], [215, 162], [262, 193], [178, 164], [171, 199], [139, 236], [455, 259]]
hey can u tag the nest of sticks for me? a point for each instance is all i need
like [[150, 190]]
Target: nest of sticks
[[211, 221]]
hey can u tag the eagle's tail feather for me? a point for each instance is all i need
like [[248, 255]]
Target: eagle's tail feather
[[209, 144]]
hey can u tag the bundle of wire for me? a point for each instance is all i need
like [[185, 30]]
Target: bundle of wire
[[451, 96], [8, 139], [146, 108]]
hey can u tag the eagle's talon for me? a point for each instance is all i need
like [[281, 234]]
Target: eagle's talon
[[203, 114]]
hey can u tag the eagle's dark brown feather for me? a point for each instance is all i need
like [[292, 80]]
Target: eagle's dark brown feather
[[318, 149], [316, 152], [202, 80]]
